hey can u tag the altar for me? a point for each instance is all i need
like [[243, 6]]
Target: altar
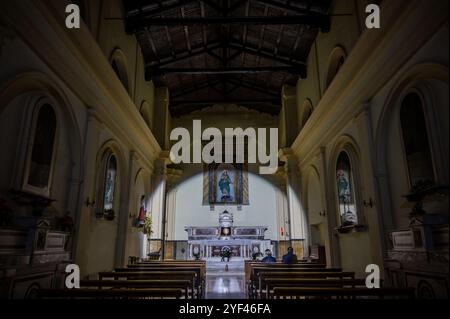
[[241, 241]]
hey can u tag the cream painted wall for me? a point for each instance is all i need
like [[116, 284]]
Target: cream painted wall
[[66, 68], [344, 32], [262, 210], [190, 211], [111, 36], [363, 115], [314, 204]]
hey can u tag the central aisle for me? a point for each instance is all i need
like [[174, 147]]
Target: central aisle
[[222, 283]]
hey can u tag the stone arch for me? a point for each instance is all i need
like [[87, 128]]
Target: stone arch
[[145, 111], [306, 112], [109, 148], [32, 86], [416, 79], [347, 144], [118, 62], [335, 61]]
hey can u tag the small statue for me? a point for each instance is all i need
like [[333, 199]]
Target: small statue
[[67, 222]]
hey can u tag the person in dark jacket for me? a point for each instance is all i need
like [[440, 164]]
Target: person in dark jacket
[[269, 258], [290, 257]]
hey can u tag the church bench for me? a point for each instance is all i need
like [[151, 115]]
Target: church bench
[[256, 286], [200, 268], [201, 273], [250, 263], [341, 293], [257, 270], [250, 266], [271, 283], [196, 284], [83, 293], [185, 285]]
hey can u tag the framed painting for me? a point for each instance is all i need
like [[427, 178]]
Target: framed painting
[[225, 184]]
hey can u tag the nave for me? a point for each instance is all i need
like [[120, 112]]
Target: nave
[[132, 149], [226, 280]]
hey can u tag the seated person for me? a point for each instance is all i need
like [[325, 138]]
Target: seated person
[[269, 258], [290, 257]]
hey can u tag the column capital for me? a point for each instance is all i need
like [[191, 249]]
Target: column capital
[[288, 92], [287, 155]]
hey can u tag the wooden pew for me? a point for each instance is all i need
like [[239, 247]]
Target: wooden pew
[[201, 272], [251, 266], [196, 285], [256, 291], [272, 283], [185, 285], [341, 293], [254, 276], [159, 293], [162, 267]]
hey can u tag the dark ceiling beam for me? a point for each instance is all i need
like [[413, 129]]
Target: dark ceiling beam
[[285, 6], [199, 87], [180, 56], [136, 9], [152, 72], [236, 5], [268, 55], [181, 110], [255, 88], [275, 102], [320, 21], [213, 5]]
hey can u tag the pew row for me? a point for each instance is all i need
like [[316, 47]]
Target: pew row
[[341, 293], [196, 284], [185, 285], [85, 293]]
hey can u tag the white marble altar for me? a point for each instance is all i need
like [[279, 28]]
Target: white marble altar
[[242, 248], [242, 241]]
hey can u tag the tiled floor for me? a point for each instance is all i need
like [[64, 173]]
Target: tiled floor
[[225, 284]]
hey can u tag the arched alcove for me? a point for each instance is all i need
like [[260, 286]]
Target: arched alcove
[[21, 100], [307, 109], [335, 62], [119, 64], [429, 84]]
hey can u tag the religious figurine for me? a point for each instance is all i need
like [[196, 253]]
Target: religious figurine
[[140, 222], [224, 186], [67, 222]]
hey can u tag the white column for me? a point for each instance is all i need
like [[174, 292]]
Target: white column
[[158, 198], [298, 218]]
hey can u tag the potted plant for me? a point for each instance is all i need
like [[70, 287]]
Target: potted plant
[[147, 227], [255, 255]]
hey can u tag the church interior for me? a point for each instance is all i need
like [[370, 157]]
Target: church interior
[[91, 193]]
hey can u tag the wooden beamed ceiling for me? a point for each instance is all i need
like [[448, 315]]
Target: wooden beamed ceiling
[[225, 51]]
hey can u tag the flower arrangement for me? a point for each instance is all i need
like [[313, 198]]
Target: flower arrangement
[[147, 227], [225, 254], [256, 255]]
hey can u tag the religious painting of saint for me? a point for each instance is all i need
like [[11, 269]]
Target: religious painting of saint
[[347, 205], [225, 184]]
